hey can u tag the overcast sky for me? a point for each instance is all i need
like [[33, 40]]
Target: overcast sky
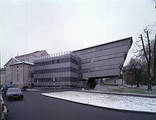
[[66, 25]]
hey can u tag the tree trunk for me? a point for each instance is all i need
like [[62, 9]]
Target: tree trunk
[[136, 77], [150, 84], [149, 63], [138, 85], [148, 59], [154, 78]]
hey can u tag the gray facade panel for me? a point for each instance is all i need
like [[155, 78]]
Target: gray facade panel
[[105, 52], [100, 68], [104, 60], [123, 42], [103, 57], [113, 72], [109, 62]]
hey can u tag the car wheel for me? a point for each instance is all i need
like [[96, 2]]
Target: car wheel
[[7, 98], [22, 97]]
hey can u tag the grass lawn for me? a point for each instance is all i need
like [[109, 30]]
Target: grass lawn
[[135, 90]]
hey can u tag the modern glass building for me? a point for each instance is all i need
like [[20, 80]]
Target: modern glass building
[[75, 68], [61, 70]]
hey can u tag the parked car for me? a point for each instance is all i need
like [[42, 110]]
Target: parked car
[[3, 110], [5, 88], [14, 93]]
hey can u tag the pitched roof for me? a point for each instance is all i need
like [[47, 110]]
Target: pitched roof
[[32, 53], [11, 60], [17, 61], [23, 62]]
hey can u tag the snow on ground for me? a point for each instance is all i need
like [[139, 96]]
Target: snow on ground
[[109, 101], [32, 90]]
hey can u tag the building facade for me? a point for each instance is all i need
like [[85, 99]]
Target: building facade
[[18, 69], [2, 76], [21, 74], [71, 69], [104, 60], [63, 70], [98, 62]]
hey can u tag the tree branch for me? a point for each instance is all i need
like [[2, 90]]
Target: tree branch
[[143, 45], [149, 48]]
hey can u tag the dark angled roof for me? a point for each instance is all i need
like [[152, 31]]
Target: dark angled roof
[[130, 38]]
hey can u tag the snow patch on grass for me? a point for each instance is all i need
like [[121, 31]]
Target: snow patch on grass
[[119, 102]]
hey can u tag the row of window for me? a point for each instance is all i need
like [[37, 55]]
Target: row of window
[[100, 68], [56, 79], [57, 61], [102, 57], [56, 70], [57, 86]]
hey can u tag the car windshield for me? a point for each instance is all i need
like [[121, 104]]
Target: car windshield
[[14, 90]]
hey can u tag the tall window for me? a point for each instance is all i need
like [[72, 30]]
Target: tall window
[[58, 61]]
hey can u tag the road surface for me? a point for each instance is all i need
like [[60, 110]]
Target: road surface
[[38, 107]]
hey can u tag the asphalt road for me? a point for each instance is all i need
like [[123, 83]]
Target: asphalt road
[[38, 107]]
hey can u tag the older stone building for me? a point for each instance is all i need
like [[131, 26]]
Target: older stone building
[[18, 70], [2, 76]]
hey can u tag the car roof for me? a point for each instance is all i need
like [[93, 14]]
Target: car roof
[[13, 89]]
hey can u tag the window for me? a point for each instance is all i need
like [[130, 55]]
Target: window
[[52, 61], [58, 61]]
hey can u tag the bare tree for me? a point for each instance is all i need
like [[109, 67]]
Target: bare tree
[[155, 3], [154, 59], [133, 73], [148, 52], [155, 53]]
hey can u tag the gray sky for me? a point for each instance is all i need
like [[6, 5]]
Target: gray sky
[[66, 25]]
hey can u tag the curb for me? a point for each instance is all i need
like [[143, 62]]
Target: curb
[[125, 94], [114, 109], [31, 90]]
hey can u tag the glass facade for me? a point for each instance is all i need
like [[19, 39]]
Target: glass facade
[[60, 71]]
